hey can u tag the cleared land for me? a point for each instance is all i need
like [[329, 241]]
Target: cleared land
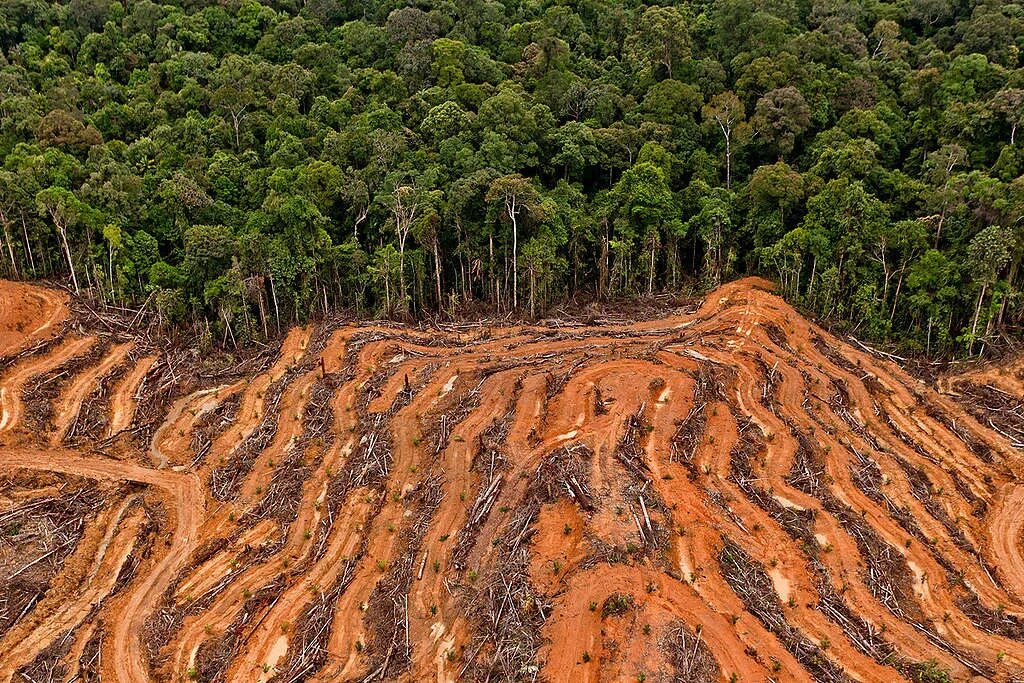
[[727, 492]]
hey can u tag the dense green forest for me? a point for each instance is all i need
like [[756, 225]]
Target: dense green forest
[[237, 165]]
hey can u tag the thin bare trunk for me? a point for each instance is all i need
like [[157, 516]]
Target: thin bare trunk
[[277, 311], [533, 283], [728, 162], [650, 275], [263, 313], [236, 121], [62, 231], [110, 266], [437, 273], [401, 274], [360, 217], [513, 210], [896, 296], [810, 285], [490, 258], [28, 244], [977, 312], [10, 246]]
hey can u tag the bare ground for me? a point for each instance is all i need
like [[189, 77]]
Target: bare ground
[[726, 493]]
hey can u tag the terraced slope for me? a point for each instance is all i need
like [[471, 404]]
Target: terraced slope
[[728, 494]]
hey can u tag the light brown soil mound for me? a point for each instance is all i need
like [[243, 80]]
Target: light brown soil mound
[[732, 494]]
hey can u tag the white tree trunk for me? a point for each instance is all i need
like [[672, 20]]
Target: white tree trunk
[[513, 210], [10, 246], [277, 311], [28, 245], [62, 231], [977, 313], [437, 273]]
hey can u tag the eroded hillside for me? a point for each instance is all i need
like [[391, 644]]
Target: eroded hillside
[[727, 493]]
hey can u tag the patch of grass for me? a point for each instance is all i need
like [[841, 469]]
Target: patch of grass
[[616, 604]]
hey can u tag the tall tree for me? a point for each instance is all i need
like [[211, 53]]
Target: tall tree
[[726, 112], [404, 204], [988, 254], [781, 116], [65, 211], [1009, 103], [237, 83], [517, 196], [661, 38], [714, 224]]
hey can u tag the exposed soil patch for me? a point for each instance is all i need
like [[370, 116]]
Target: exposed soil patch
[[725, 492]]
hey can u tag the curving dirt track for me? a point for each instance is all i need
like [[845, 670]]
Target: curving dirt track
[[30, 314], [729, 493]]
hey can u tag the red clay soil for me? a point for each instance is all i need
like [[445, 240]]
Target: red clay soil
[[732, 494], [29, 314]]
